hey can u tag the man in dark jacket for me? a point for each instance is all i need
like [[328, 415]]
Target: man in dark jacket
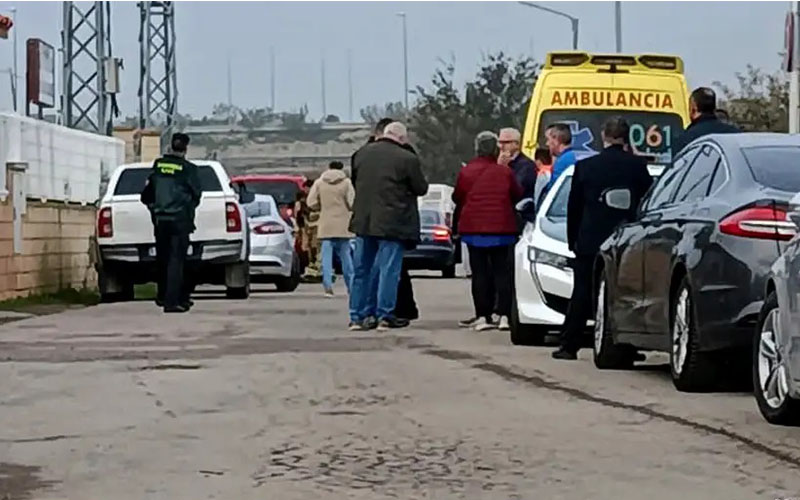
[[524, 169], [385, 217], [590, 220], [172, 193], [376, 134], [705, 121]]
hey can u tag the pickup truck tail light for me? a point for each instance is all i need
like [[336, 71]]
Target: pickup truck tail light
[[441, 233], [105, 226], [233, 219], [269, 228], [765, 223]]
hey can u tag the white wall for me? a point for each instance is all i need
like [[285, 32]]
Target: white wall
[[63, 164]]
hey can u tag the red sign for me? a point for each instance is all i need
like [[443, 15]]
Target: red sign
[[41, 79]]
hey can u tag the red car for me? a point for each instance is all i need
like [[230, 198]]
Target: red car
[[284, 188]]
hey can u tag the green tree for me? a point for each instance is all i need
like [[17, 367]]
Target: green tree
[[761, 101], [395, 110], [445, 121]]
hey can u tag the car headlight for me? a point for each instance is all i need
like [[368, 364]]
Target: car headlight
[[544, 257]]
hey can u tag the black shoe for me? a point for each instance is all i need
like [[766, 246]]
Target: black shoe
[[564, 354], [370, 323], [188, 303], [176, 309], [159, 303], [640, 356], [392, 323]]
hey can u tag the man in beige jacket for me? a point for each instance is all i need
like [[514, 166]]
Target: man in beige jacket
[[332, 194]]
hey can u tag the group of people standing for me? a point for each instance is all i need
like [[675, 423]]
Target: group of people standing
[[369, 220]]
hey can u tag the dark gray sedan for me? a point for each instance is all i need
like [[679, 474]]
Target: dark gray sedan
[[688, 275]]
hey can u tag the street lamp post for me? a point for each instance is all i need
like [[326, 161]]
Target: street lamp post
[[15, 78], [572, 19], [402, 15], [618, 24]]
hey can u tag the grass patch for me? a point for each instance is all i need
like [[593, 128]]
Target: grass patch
[[147, 291], [60, 299]]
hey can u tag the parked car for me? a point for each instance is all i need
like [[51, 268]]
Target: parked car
[[776, 345], [689, 275], [542, 270], [272, 255], [542, 273], [218, 252], [283, 189], [435, 250]]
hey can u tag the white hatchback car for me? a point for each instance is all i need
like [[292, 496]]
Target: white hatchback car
[[272, 255]]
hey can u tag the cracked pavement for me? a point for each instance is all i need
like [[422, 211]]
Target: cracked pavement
[[273, 398]]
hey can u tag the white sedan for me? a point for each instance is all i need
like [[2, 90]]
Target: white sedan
[[272, 255], [542, 272], [542, 276]]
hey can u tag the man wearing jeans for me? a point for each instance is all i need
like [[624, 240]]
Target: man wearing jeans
[[385, 218], [332, 194]]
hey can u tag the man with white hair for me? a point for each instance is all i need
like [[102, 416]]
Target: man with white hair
[[510, 142], [385, 220]]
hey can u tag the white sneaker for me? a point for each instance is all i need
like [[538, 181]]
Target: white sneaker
[[503, 325], [484, 325]]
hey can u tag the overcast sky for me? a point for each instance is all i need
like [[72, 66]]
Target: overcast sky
[[716, 39]]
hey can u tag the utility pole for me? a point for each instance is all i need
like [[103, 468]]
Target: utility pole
[[405, 59], [618, 24], [322, 80], [350, 84], [793, 31], [230, 93], [272, 77], [15, 78]]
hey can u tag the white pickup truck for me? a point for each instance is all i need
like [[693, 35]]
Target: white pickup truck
[[219, 249]]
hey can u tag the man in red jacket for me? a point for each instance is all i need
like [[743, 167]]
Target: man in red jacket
[[485, 195]]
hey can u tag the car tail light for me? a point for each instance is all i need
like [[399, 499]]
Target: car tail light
[[441, 233], [767, 223], [105, 226], [233, 219], [269, 228]]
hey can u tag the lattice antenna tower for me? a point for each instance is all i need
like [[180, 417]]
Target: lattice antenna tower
[[158, 84], [86, 46]]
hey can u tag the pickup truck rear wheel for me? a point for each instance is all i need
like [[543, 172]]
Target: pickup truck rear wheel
[[113, 287], [237, 281]]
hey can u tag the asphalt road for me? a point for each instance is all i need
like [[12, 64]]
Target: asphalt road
[[273, 398]]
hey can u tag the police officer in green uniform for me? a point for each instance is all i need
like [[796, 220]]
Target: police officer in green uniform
[[172, 193]]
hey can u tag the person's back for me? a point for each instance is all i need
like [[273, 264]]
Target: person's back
[[610, 169], [332, 195], [389, 181], [173, 190], [485, 194], [705, 120]]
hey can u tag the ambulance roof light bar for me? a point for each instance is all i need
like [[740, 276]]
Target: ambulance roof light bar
[[612, 61]]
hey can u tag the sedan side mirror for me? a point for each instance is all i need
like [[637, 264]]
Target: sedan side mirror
[[619, 198], [246, 197], [524, 205], [794, 216]]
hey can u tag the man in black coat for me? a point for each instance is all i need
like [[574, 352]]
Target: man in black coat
[[172, 193], [590, 220], [385, 218], [705, 120]]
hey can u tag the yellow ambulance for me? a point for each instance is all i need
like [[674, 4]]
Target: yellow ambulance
[[583, 90]]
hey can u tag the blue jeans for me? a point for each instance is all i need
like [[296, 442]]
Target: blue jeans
[[340, 247], [377, 266]]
